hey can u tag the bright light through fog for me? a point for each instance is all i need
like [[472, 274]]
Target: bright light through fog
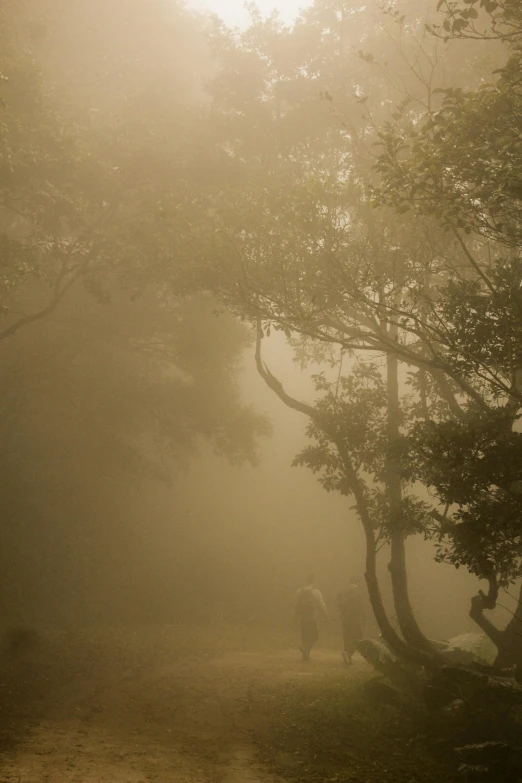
[[233, 12]]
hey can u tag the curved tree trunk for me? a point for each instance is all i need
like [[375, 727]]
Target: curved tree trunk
[[401, 598], [508, 641], [420, 652]]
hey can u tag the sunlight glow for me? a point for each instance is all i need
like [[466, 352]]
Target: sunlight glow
[[233, 12]]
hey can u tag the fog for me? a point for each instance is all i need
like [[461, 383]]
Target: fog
[[235, 13], [213, 539], [260, 390], [210, 534], [235, 539]]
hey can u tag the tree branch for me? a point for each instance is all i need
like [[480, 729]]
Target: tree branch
[[473, 262], [273, 383], [477, 615], [487, 601], [40, 314], [446, 393]]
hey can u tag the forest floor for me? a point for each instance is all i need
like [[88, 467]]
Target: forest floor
[[184, 705]]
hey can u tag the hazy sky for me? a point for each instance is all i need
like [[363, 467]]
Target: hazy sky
[[233, 11]]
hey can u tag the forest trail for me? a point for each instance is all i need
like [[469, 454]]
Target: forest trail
[[189, 721]]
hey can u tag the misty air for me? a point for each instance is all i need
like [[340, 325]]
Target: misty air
[[261, 389]]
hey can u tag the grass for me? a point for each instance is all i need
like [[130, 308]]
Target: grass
[[339, 730]]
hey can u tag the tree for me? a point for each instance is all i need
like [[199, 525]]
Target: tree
[[103, 408], [129, 372], [302, 247], [32, 140], [462, 165], [350, 456], [324, 284], [91, 159]]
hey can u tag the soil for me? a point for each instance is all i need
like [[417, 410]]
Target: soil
[[186, 705], [84, 711]]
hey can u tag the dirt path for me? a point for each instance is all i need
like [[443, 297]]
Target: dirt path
[[192, 721]]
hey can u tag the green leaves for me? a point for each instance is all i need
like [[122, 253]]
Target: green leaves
[[411, 516], [460, 163], [473, 466]]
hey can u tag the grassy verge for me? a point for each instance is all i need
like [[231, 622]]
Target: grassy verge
[[339, 730]]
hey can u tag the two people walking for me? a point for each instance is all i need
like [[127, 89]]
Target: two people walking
[[310, 607]]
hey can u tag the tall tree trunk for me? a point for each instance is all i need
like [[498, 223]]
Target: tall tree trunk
[[415, 653], [387, 630], [398, 571]]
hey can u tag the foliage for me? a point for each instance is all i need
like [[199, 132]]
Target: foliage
[[462, 164], [34, 146], [103, 410], [354, 408], [483, 328], [144, 383], [86, 179], [473, 465], [480, 19], [350, 434], [98, 183]]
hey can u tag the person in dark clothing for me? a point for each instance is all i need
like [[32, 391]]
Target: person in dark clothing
[[351, 614], [309, 604]]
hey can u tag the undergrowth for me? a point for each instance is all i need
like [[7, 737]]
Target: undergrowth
[[338, 730]]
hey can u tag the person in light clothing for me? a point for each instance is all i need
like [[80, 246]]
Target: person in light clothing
[[309, 606]]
